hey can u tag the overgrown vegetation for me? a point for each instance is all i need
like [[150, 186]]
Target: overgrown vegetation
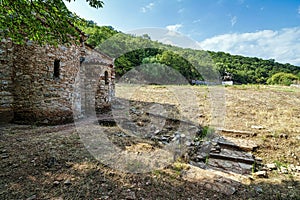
[[282, 78], [40, 21]]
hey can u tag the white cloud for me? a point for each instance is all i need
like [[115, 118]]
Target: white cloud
[[180, 10], [148, 7], [282, 45], [233, 20], [174, 27], [299, 10]]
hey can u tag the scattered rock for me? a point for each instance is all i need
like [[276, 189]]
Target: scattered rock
[[283, 170], [271, 166], [56, 183], [257, 127], [4, 156], [258, 190], [260, 174], [67, 182]]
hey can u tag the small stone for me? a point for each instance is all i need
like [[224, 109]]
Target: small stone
[[215, 150], [283, 170], [298, 168], [67, 182], [139, 123], [271, 166], [258, 189], [257, 127], [197, 143], [291, 168], [56, 183], [4, 156], [260, 174]]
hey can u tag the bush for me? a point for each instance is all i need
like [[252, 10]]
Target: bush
[[282, 78]]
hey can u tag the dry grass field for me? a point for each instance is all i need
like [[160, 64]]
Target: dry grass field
[[274, 110]]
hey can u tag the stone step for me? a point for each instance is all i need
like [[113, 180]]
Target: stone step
[[236, 156], [235, 143]]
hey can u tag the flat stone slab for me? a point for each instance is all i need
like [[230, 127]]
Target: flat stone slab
[[230, 166], [236, 143], [214, 180], [232, 155], [236, 132]]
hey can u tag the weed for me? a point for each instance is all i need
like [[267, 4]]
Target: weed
[[206, 159], [280, 164], [253, 167], [178, 166], [206, 131]]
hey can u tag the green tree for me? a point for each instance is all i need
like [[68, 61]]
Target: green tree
[[43, 21]]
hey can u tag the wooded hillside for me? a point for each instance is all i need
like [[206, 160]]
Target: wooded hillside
[[131, 51]]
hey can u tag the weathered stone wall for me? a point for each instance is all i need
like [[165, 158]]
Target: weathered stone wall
[[41, 96], [98, 84], [6, 82]]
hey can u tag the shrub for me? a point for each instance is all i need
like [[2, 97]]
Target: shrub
[[282, 78]]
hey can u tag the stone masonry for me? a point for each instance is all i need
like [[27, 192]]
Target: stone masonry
[[38, 83]]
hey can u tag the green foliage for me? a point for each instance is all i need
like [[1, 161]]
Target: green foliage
[[206, 131], [247, 70], [282, 78], [43, 21], [96, 34], [280, 164]]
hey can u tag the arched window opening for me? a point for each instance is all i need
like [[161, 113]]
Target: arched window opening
[[106, 78], [56, 71]]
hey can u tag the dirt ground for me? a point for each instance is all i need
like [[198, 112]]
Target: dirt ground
[[55, 162]]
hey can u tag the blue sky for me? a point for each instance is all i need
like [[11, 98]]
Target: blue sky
[[256, 28]]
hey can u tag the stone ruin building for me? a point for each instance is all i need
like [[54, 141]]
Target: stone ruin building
[[52, 85]]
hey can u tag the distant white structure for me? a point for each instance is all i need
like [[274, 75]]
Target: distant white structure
[[227, 82], [295, 85]]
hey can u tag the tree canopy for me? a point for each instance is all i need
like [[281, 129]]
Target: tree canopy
[[43, 21]]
